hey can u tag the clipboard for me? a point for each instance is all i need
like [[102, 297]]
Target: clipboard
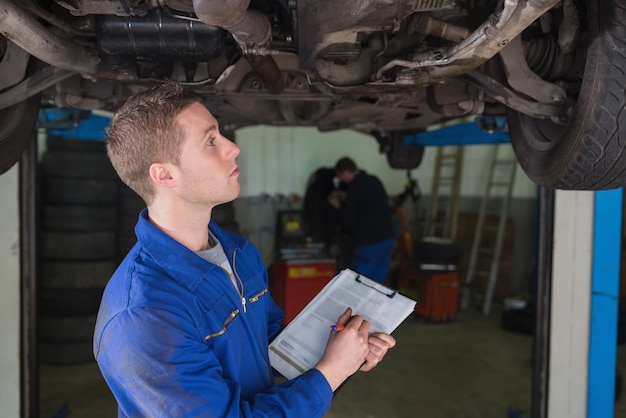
[[302, 342]]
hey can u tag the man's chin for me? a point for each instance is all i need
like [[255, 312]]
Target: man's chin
[[235, 194]]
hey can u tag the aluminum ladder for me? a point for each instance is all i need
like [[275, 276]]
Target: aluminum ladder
[[503, 182], [447, 177]]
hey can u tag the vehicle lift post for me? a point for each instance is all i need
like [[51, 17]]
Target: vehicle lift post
[[577, 301]]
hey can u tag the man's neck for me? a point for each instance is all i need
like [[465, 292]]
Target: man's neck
[[188, 226]]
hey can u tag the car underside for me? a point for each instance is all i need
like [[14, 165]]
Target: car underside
[[390, 69]]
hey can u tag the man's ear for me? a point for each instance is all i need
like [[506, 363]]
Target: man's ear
[[161, 174]]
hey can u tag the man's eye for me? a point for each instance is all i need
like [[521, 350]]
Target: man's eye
[[211, 141]]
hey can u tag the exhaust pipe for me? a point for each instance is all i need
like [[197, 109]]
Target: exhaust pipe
[[251, 29], [34, 38]]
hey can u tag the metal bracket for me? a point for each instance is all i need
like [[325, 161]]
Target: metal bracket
[[523, 79]]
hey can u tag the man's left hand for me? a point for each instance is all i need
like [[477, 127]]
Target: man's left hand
[[379, 343]]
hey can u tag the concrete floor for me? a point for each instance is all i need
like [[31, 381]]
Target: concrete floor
[[469, 368]]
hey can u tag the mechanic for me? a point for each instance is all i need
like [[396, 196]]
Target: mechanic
[[185, 322], [366, 218]]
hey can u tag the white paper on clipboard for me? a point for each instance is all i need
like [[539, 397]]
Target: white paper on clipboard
[[302, 343]]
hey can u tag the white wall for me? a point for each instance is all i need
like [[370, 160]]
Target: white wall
[[9, 295], [280, 161]]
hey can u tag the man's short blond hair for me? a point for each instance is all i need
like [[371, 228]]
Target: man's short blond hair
[[144, 131]]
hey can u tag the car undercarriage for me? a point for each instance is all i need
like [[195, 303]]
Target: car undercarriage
[[552, 68]]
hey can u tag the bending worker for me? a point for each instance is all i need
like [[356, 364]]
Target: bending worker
[[366, 218]]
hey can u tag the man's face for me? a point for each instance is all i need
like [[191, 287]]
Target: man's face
[[207, 173], [345, 176]]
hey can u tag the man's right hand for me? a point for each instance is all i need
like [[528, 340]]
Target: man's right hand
[[346, 350], [336, 198]]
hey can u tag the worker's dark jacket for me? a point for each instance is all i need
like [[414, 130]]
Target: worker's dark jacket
[[366, 212], [173, 338]]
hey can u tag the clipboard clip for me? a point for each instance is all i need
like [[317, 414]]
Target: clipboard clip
[[389, 295]]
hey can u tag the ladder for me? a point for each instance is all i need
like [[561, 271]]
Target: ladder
[[447, 177], [503, 182]]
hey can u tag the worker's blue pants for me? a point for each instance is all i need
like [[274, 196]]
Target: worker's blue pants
[[373, 260]]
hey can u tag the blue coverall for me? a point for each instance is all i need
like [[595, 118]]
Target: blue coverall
[[173, 338]]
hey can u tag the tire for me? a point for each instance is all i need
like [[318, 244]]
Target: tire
[[59, 143], [130, 202], [66, 354], [82, 245], [520, 321], [79, 192], [126, 225], [434, 250], [403, 156], [320, 220], [589, 152], [126, 237], [75, 274], [77, 246], [69, 302], [17, 129], [83, 165], [66, 329], [124, 245], [78, 218]]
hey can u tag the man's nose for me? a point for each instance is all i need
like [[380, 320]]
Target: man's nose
[[233, 149]]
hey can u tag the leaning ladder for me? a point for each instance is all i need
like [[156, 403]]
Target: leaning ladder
[[447, 177], [507, 167]]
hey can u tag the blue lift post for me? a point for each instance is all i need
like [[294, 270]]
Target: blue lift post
[[607, 238]]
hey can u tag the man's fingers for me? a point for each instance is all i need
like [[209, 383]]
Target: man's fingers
[[345, 317], [386, 339], [367, 366], [365, 326]]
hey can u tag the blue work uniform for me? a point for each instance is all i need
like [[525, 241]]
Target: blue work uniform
[[175, 338]]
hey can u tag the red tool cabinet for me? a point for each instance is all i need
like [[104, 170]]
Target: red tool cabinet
[[437, 293], [296, 282]]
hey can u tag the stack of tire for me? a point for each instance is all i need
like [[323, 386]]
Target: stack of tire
[[77, 246], [129, 206]]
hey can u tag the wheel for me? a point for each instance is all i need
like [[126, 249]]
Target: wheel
[[75, 274], [66, 354], [17, 129], [69, 302], [588, 151], [521, 321], [66, 329], [78, 218], [83, 165], [434, 250], [77, 245], [404, 156], [64, 191], [58, 143], [399, 154]]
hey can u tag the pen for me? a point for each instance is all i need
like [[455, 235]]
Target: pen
[[337, 327]]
